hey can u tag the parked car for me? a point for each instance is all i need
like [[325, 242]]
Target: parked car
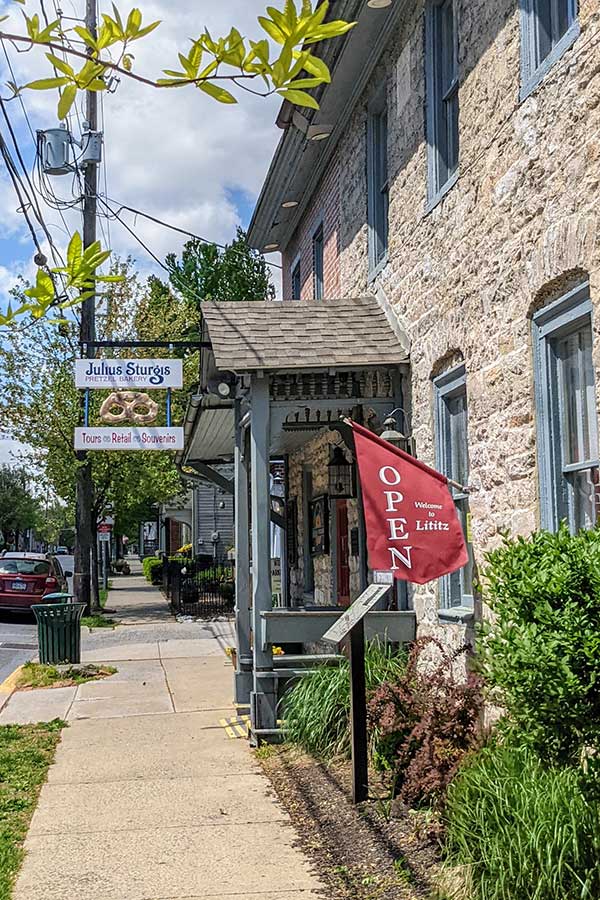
[[27, 578], [61, 551]]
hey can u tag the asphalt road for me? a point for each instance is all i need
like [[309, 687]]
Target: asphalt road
[[18, 641], [18, 633]]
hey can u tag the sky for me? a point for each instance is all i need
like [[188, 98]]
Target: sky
[[178, 154]]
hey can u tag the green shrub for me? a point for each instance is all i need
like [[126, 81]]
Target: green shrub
[[317, 709], [425, 721], [541, 656], [152, 568], [524, 831]]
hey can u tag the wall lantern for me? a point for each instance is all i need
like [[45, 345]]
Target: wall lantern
[[342, 477], [392, 435]]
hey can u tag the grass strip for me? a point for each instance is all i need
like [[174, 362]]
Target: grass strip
[[98, 622], [38, 675], [26, 752]]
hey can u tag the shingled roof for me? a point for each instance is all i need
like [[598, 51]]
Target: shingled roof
[[301, 334]]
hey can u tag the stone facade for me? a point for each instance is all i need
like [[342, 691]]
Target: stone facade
[[518, 228]]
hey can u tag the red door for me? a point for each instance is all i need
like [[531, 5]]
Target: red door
[[343, 554]]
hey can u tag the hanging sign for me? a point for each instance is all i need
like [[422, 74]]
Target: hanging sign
[[129, 438], [413, 528], [100, 374]]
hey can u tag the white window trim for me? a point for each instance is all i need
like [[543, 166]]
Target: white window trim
[[563, 315]]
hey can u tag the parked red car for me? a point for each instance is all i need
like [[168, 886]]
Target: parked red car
[[26, 578]]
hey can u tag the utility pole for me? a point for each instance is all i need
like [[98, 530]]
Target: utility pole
[[84, 487]]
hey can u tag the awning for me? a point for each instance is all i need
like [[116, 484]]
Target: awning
[[303, 334]]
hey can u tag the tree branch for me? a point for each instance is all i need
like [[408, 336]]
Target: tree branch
[[63, 48]]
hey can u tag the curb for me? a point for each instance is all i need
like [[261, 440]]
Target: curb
[[9, 686]]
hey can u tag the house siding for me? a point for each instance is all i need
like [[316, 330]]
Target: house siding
[[517, 230]]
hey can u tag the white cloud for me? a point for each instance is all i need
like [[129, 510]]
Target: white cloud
[[176, 154]]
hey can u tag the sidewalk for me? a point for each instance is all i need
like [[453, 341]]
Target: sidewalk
[[148, 798]]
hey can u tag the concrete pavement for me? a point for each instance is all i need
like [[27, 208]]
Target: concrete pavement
[[148, 798]]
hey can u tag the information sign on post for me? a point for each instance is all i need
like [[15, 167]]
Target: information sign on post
[[352, 623]]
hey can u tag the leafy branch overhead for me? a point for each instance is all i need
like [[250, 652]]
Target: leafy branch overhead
[[289, 69], [64, 286]]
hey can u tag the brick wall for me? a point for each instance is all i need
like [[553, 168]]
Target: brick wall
[[325, 208], [518, 228]]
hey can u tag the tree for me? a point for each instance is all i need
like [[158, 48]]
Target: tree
[[80, 60], [40, 405], [19, 509], [206, 272]]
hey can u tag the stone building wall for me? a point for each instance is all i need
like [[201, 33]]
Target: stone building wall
[[518, 228]]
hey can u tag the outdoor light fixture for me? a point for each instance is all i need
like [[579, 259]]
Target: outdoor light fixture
[[342, 481], [289, 204], [395, 437], [379, 4], [319, 132], [270, 247]]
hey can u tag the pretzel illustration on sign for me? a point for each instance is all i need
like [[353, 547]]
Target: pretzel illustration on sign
[[129, 406]]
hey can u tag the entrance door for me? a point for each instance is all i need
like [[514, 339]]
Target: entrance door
[[343, 553]]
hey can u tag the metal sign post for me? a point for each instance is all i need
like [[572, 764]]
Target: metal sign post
[[352, 623]]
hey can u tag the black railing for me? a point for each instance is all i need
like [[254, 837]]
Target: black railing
[[196, 588]]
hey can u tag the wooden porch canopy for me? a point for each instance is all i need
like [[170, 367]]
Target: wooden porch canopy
[[291, 369]]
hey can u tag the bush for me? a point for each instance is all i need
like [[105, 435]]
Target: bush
[[541, 656], [152, 568], [523, 831], [424, 722], [317, 709]]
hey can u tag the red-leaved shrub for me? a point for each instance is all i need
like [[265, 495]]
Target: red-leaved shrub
[[423, 724]]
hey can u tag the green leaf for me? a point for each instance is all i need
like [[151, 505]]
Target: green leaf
[[146, 30], [317, 67], [74, 252], [299, 98], [305, 83], [61, 65], [85, 36], [134, 21], [272, 30], [66, 101], [45, 84], [329, 30], [219, 93]]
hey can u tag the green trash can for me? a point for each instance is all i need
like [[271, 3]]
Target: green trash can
[[59, 630]]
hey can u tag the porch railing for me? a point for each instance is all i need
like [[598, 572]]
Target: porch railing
[[200, 589]]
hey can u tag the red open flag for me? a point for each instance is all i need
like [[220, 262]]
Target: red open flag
[[413, 529]]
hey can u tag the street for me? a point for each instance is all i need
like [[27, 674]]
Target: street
[[18, 641]]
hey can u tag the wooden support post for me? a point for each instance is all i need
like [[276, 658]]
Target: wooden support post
[[264, 698], [243, 672], [358, 714]]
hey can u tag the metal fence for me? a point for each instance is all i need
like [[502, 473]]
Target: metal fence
[[196, 588]]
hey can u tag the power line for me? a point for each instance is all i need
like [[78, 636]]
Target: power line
[[139, 212]]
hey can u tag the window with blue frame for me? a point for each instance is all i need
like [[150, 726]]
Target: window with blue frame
[[548, 28], [378, 183], [318, 244], [566, 412], [441, 71], [452, 458], [296, 282]]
